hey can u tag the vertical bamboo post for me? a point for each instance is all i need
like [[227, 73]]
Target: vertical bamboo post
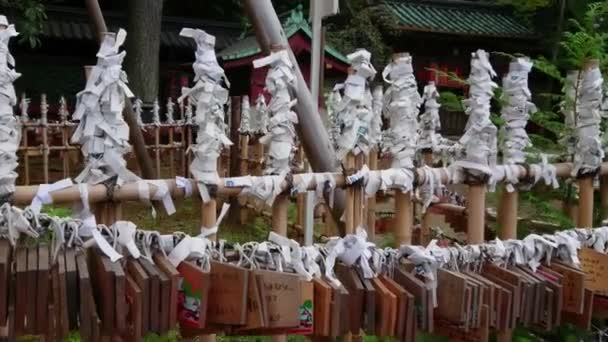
[[508, 230], [66, 146], [404, 219], [244, 155], [371, 202], [171, 127], [26, 153], [476, 201], [45, 137], [508, 214], [157, 149], [235, 124], [259, 152], [208, 220], [585, 210], [604, 196], [279, 226]]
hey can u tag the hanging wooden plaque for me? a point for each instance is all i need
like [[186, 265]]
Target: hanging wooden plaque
[[573, 287], [134, 302], [450, 296], [120, 293], [399, 324], [350, 279], [104, 281], [255, 315], [71, 275], [141, 278], [322, 307], [418, 289], [280, 291], [595, 266], [456, 333], [155, 294], [369, 307], [228, 294], [165, 265], [5, 274], [43, 289], [582, 320], [165, 301], [86, 296], [32, 275]]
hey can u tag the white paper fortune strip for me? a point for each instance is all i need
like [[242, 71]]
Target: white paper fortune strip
[[568, 108], [589, 154], [516, 111], [102, 131], [355, 111], [429, 138], [333, 124], [401, 102], [209, 96], [259, 122], [375, 127], [479, 140], [280, 83], [10, 128]]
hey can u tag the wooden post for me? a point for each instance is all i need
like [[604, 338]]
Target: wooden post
[[235, 123], [371, 202], [476, 208], [585, 208], [66, 146], [45, 137], [26, 153], [208, 220], [508, 214], [404, 219], [171, 150], [508, 230], [604, 195], [244, 155], [157, 150], [279, 226]]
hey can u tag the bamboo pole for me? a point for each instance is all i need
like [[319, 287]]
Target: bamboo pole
[[404, 218], [244, 155], [45, 137], [157, 150], [235, 123], [26, 156], [171, 151], [279, 226], [508, 214], [476, 201], [209, 220], [604, 196], [371, 202], [585, 208]]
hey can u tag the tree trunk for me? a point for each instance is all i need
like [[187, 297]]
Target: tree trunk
[[143, 45]]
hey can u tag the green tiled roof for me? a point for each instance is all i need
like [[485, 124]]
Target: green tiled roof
[[464, 19], [294, 23]]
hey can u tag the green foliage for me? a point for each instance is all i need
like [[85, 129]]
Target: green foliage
[[57, 211], [526, 8], [587, 38], [33, 15]]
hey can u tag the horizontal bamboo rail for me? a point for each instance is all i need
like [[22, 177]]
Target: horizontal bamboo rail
[[129, 192]]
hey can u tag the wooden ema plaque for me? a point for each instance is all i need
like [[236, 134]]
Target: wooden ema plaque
[[369, 306], [88, 317], [573, 287], [120, 291], [104, 291], [170, 271], [280, 291], [595, 266], [72, 287], [228, 294], [43, 291], [456, 333], [450, 302], [322, 307], [32, 275], [192, 303], [600, 307], [386, 309], [155, 293], [582, 320], [134, 317], [165, 301], [5, 275], [400, 323], [418, 289], [141, 278], [255, 314], [349, 278]]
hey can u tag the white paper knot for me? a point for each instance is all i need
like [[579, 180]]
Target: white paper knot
[[43, 194], [207, 231], [189, 247], [292, 253], [184, 183], [265, 188], [126, 236], [162, 194], [546, 172]]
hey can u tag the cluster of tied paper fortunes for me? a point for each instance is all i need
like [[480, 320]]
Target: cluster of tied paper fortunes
[[10, 128]]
